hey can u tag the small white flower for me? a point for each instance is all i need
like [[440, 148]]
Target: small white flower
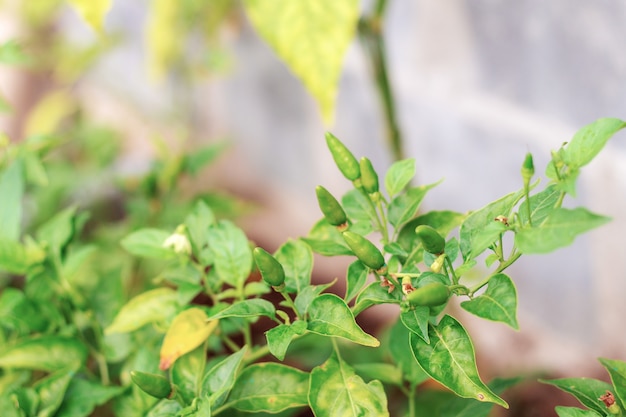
[[178, 241]]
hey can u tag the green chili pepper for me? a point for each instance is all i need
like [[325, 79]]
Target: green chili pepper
[[432, 242], [528, 168], [333, 212], [365, 250], [156, 385], [271, 270], [430, 295], [369, 177], [346, 162]]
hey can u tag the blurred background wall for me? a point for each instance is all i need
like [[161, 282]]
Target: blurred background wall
[[477, 85]]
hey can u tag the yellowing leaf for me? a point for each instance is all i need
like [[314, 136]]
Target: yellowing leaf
[[312, 38], [188, 330], [92, 11], [49, 112], [163, 36]]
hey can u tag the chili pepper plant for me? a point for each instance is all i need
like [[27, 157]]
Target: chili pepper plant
[[75, 339]]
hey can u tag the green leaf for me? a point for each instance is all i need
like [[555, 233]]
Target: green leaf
[[200, 158], [220, 379], [330, 316], [325, 239], [198, 222], [269, 387], [12, 192], [232, 255], [357, 206], [498, 303], [401, 353], [478, 220], [247, 308], [461, 407], [586, 390], [308, 294], [336, 390], [148, 243], [575, 412], [450, 360], [34, 170], [165, 408], [311, 38], [279, 337], [17, 258], [559, 229], [404, 207], [187, 373], [83, 396], [356, 277], [416, 320], [59, 230], [19, 313], [297, 260], [374, 294], [11, 53], [486, 237], [45, 353], [589, 141], [51, 391], [384, 372], [617, 371], [158, 305], [398, 176], [541, 205], [92, 11]]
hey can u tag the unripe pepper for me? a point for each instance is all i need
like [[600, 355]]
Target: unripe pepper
[[271, 270], [345, 161], [432, 242], [528, 168], [153, 384], [365, 250], [333, 212], [369, 177], [430, 295]]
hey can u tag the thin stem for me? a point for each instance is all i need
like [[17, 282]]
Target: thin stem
[[455, 279], [370, 31], [290, 303]]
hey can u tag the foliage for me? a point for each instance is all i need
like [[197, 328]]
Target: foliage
[[70, 325], [148, 301]]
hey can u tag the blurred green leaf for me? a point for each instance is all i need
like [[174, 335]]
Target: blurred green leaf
[[157, 305], [51, 391], [220, 379], [297, 260], [231, 251], [336, 390], [148, 243], [575, 412], [558, 230], [45, 353], [399, 175], [83, 396], [12, 192], [586, 390], [589, 141], [617, 371], [269, 387]]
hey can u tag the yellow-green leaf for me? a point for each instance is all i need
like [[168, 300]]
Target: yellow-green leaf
[[92, 11], [188, 330], [162, 36], [311, 37]]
